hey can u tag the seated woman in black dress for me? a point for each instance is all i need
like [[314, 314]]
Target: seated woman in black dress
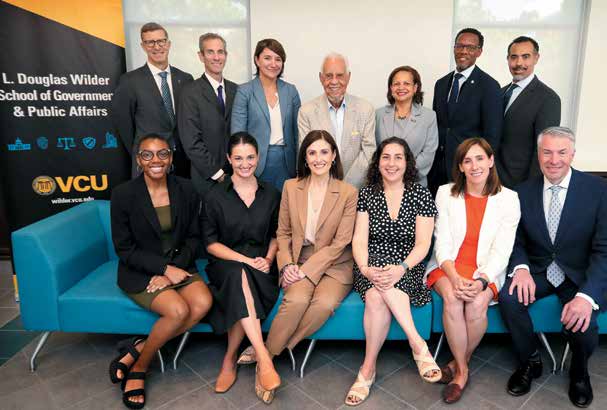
[[392, 236], [155, 230], [239, 223]]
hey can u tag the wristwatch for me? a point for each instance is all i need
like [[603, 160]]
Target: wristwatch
[[484, 282], [405, 266]]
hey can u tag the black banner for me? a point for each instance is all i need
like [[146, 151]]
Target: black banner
[[57, 146]]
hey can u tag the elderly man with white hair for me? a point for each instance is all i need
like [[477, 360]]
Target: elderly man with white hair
[[349, 119]]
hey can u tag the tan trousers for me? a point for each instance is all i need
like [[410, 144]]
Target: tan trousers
[[304, 309]]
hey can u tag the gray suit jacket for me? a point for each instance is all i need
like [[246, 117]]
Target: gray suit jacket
[[420, 133], [358, 139]]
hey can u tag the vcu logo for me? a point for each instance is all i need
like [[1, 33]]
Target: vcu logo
[[44, 185]]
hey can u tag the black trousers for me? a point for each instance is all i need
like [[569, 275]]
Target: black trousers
[[517, 320]]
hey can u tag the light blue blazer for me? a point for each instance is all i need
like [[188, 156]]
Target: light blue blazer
[[250, 113]]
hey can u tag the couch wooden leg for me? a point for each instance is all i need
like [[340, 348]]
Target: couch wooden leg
[[161, 360], [439, 345], [564, 359], [305, 360], [39, 347], [293, 363], [182, 343], [549, 349]]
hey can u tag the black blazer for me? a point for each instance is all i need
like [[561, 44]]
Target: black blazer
[[535, 109], [136, 231], [580, 245], [478, 113], [137, 108], [204, 130]]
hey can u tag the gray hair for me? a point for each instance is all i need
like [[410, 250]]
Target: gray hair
[[211, 36], [559, 132], [335, 56]]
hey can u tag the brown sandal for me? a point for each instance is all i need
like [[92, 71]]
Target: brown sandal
[[247, 356]]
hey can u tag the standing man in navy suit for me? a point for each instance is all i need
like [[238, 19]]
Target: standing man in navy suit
[[530, 106], [145, 100], [468, 104], [560, 247]]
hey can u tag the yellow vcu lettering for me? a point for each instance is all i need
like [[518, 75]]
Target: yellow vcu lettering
[[65, 186], [97, 187], [82, 183], [78, 183]]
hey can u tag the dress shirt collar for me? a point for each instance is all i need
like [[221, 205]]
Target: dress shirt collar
[[331, 107], [214, 82], [524, 82], [466, 73], [155, 70], [563, 184]]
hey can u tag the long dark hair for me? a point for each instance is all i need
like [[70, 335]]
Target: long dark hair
[[336, 171], [493, 184], [374, 178], [242, 138]]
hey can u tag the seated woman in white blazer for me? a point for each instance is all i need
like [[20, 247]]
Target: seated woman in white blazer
[[474, 236]]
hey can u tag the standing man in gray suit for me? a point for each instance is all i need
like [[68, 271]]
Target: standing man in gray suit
[[349, 119], [204, 115], [530, 106], [145, 100]]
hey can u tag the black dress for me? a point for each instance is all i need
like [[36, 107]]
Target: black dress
[[391, 241], [227, 220]]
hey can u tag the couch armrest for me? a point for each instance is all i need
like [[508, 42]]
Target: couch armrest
[[52, 255]]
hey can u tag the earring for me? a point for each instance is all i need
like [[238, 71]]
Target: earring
[[333, 162], [305, 164], [139, 169], [171, 168]]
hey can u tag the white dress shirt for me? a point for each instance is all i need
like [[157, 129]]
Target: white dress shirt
[[155, 71], [562, 195], [337, 119], [465, 74], [521, 85], [215, 84]]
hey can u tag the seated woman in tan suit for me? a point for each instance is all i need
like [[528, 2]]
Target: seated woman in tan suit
[[315, 227]]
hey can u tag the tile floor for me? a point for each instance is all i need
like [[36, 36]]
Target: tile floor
[[72, 373]]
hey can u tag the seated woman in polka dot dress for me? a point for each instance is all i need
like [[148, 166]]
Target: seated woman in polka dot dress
[[392, 236]]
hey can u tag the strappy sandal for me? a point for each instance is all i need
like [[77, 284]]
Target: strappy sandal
[[247, 356], [133, 393], [426, 365], [360, 385], [125, 347], [264, 395]]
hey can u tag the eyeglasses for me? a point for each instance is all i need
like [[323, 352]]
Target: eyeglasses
[[162, 154], [467, 47], [151, 43]]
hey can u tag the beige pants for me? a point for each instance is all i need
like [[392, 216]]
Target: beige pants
[[304, 309]]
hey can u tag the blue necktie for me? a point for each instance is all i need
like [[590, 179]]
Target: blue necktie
[[554, 273], [166, 95], [507, 96], [454, 92], [220, 101]]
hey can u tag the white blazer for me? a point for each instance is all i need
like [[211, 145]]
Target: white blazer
[[496, 238]]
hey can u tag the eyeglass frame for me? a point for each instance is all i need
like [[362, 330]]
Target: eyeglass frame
[[155, 154], [152, 43], [468, 47]]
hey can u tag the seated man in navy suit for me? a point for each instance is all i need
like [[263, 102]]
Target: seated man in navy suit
[[560, 247]]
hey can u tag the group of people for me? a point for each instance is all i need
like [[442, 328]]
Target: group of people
[[363, 194]]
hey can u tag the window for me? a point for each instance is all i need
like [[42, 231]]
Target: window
[[557, 25], [185, 22]]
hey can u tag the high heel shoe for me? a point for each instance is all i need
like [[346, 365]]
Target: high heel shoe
[[125, 347], [133, 393]]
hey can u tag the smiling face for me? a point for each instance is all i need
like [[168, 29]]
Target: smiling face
[[522, 59], [392, 163], [476, 166], [466, 50], [403, 87], [320, 157], [213, 55], [334, 79], [243, 160], [555, 155], [154, 158], [156, 45], [269, 64]]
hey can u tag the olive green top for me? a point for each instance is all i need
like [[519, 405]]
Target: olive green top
[[166, 230]]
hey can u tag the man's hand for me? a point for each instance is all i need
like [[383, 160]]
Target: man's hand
[[525, 286], [576, 314]]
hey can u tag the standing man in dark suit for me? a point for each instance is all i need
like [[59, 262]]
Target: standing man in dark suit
[[560, 247], [204, 115], [145, 100], [468, 104], [530, 106]]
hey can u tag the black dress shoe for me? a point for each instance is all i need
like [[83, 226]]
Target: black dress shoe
[[580, 392], [520, 381]]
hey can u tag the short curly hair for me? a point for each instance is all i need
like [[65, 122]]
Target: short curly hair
[[374, 178]]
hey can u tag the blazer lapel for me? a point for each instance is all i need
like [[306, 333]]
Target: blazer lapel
[[328, 203], [209, 93], [388, 121], [568, 214], [302, 201], [145, 202], [230, 94], [283, 99], [349, 117], [156, 93], [324, 118], [176, 202], [522, 97], [260, 97], [490, 218], [538, 210], [176, 82], [416, 112]]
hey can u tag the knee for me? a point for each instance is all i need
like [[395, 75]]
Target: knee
[[200, 307], [297, 300], [507, 301], [476, 310], [452, 306], [374, 302], [324, 306], [178, 312]]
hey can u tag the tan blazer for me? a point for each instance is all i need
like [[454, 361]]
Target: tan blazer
[[334, 230]]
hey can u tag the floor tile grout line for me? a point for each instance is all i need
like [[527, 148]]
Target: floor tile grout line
[[307, 395], [195, 372], [182, 395]]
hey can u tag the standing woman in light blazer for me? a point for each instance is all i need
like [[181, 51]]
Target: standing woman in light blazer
[[474, 233], [267, 107], [315, 228], [405, 117]]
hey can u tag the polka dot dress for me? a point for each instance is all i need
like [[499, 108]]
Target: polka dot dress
[[390, 241]]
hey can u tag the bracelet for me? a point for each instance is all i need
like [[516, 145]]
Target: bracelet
[[405, 266], [164, 270], [484, 282]]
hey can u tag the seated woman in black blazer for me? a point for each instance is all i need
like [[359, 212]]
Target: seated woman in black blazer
[[156, 234]]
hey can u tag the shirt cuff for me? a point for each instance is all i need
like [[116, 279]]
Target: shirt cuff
[[589, 299], [217, 175], [521, 266]]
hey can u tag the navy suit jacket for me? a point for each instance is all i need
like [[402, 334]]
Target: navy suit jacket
[[580, 246], [478, 113]]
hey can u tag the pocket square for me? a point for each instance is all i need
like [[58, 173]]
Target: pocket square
[[355, 133]]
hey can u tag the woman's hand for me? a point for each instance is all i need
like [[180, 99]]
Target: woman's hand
[[176, 275], [468, 289], [156, 283], [290, 275], [259, 263], [390, 275]]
